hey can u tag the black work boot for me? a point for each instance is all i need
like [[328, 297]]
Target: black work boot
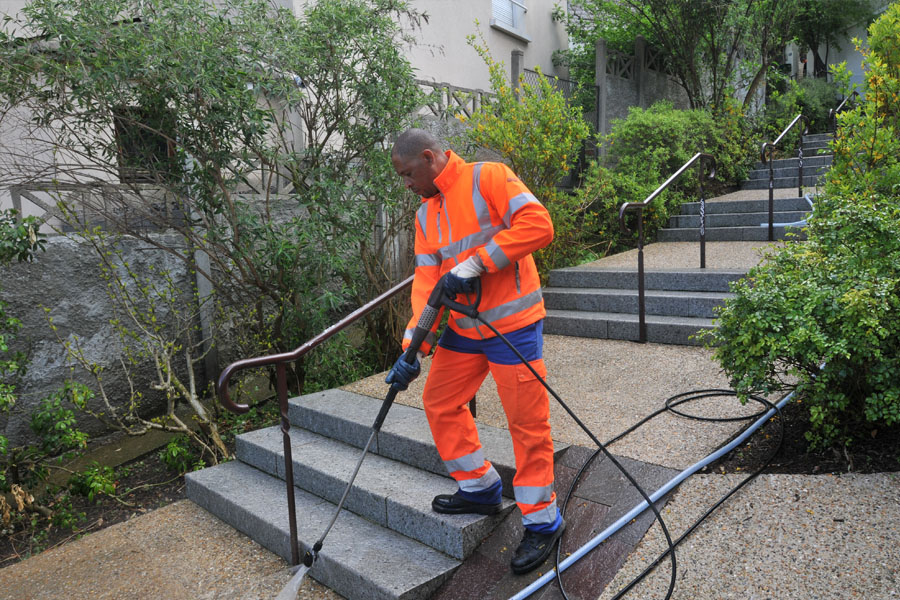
[[454, 504], [534, 549]]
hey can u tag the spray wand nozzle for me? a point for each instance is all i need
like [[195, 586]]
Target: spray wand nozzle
[[312, 554]]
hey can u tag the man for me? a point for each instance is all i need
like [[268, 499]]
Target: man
[[479, 221]]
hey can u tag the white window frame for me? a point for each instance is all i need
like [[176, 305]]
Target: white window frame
[[508, 16]]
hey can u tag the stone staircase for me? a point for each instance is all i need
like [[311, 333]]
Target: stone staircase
[[602, 302], [387, 543]]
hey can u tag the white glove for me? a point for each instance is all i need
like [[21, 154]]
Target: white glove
[[471, 267]]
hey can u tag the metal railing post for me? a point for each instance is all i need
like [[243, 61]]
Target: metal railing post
[[639, 206], [281, 385], [771, 199], [642, 307], [768, 149]]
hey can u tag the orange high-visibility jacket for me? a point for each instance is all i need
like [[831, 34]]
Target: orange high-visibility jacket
[[481, 208]]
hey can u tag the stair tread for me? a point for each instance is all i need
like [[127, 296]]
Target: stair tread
[[634, 292]]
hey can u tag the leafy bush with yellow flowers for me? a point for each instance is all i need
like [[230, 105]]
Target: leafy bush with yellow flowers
[[823, 316], [539, 135]]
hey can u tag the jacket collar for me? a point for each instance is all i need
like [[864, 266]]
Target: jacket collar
[[452, 170]]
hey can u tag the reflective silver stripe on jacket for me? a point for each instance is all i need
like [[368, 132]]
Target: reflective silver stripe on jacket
[[480, 484], [482, 212], [428, 260], [539, 517], [516, 203], [422, 216], [475, 240], [469, 462], [429, 337], [504, 310], [497, 255]]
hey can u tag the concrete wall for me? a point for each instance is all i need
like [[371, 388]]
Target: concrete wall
[[65, 279], [627, 80]]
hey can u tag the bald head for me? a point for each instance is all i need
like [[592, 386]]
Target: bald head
[[418, 158], [412, 142]]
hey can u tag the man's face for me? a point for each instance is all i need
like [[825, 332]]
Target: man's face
[[417, 172]]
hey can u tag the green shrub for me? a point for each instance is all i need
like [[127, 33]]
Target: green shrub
[[94, 481], [539, 135], [179, 457], [652, 144], [648, 146], [810, 96], [834, 301]]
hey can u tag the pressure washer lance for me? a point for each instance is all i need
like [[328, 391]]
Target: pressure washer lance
[[426, 320]]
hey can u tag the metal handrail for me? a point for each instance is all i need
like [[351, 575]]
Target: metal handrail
[[700, 157], [769, 148], [279, 361], [833, 112]]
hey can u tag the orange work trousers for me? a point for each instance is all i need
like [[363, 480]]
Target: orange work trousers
[[453, 380]]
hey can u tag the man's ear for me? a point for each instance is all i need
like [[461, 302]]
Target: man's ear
[[428, 155]]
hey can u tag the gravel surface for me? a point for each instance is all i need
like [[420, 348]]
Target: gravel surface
[[782, 537], [611, 385], [178, 552]]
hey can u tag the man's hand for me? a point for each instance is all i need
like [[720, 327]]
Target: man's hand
[[461, 278], [403, 373]]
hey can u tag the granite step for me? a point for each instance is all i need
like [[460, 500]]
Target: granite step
[[809, 181], [695, 279], [385, 492], [744, 219], [360, 560], [657, 302], [661, 329], [714, 207], [405, 435], [729, 234]]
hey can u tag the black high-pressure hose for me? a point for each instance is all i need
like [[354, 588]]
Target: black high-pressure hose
[[602, 448], [670, 406]]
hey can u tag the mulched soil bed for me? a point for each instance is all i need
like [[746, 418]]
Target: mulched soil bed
[[876, 451], [151, 486]]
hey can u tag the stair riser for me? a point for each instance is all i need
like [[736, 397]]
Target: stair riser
[[727, 234], [809, 181], [602, 328], [628, 303], [735, 220], [747, 206], [787, 172], [689, 281]]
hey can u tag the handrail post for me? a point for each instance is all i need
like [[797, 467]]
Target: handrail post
[[702, 219], [281, 384], [771, 198], [642, 309], [804, 127]]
